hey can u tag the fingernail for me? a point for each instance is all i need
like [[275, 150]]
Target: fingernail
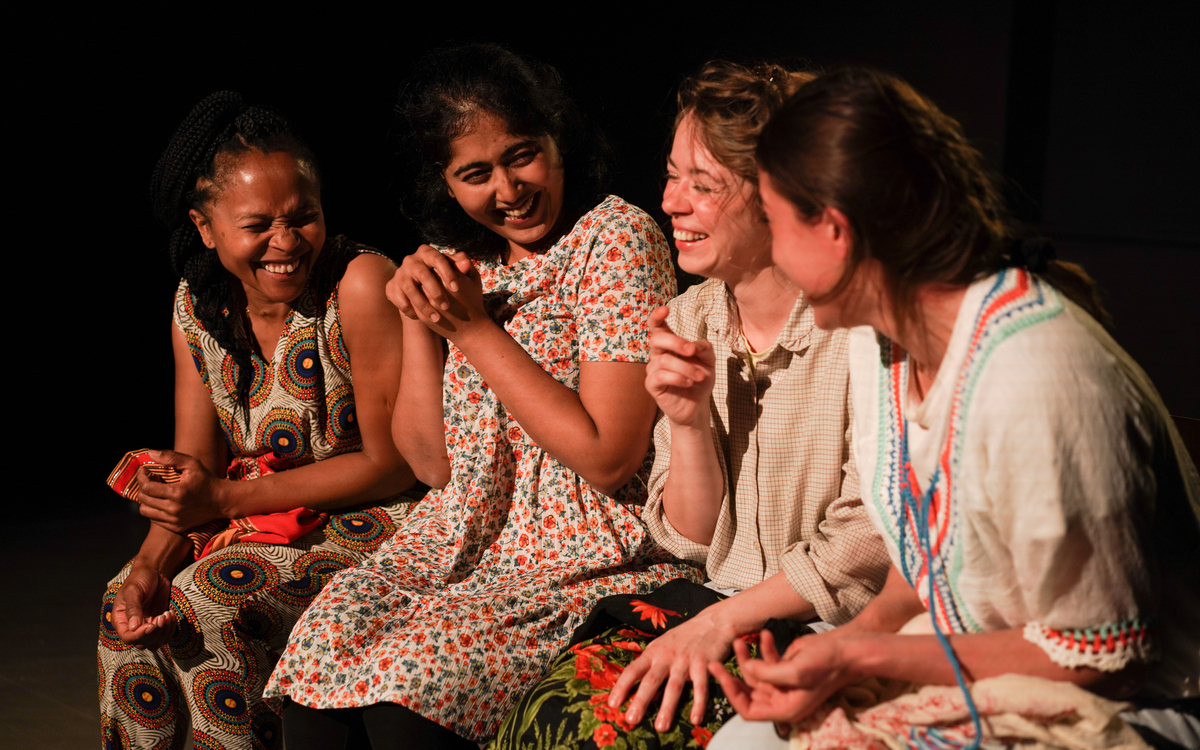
[[446, 305], [453, 287], [434, 318], [134, 622]]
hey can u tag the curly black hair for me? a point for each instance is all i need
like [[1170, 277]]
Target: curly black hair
[[440, 100], [187, 175]]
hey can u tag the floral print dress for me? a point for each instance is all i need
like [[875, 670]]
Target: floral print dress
[[483, 584]]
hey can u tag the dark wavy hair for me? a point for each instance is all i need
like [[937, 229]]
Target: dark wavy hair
[[205, 147], [917, 195], [447, 90]]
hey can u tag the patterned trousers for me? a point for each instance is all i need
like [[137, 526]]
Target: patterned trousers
[[235, 610]]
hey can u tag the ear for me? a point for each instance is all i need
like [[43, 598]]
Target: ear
[[839, 230], [450, 190], [204, 227]]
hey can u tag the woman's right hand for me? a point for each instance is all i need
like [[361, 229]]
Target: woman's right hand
[[422, 286], [141, 609], [680, 373]]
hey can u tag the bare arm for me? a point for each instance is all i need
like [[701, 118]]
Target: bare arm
[[418, 425], [790, 688], [601, 432], [680, 377], [374, 340]]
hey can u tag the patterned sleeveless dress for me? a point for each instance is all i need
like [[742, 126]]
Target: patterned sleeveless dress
[[468, 604], [235, 607]]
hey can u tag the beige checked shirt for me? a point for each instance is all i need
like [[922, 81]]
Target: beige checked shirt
[[782, 432]]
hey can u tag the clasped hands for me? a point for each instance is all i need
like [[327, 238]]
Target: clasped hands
[[442, 291]]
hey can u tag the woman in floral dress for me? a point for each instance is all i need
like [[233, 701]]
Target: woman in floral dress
[[535, 425]]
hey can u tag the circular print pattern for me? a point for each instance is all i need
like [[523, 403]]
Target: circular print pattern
[[301, 366], [141, 693], [202, 741], [283, 431], [361, 531], [193, 342], [337, 347], [188, 641], [311, 572], [259, 621], [233, 432], [341, 428], [228, 579], [260, 382], [108, 630], [114, 735], [218, 696], [267, 728]]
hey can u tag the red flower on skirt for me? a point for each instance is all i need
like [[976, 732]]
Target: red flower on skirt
[[656, 615], [604, 735]]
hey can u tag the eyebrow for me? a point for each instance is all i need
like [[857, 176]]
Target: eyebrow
[[301, 209], [693, 170], [507, 153]]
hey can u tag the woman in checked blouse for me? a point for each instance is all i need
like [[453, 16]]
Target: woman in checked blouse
[[753, 476]]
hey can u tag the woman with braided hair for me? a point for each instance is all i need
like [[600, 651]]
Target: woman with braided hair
[[271, 429]]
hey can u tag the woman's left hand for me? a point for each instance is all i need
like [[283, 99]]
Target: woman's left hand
[[195, 499], [678, 656], [786, 690]]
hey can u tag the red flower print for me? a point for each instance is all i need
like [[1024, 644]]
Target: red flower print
[[548, 522], [701, 736], [360, 687], [514, 433], [656, 615], [613, 253], [622, 239], [626, 311], [591, 665], [604, 735]]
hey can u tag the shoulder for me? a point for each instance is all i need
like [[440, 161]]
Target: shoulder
[[366, 274], [615, 215]]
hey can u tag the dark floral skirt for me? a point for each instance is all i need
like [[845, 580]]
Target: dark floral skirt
[[569, 707]]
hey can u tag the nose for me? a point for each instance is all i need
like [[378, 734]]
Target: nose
[[673, 201], [286, 239], [508, 186]]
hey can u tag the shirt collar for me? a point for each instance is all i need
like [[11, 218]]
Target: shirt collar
[[796, 333]]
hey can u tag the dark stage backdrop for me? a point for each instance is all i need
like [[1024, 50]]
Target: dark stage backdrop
[[1091, 110]]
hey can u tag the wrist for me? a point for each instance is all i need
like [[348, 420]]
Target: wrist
[[227, 497], [862, 655], [732, 621], [470, 334]]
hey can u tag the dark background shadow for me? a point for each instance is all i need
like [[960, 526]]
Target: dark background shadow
[[1090, 109]]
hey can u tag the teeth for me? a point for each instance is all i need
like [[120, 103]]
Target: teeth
[[280, 267], [520, 212], [679, 234]]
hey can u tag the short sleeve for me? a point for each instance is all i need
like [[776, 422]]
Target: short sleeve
[[1070, 495], [626, 276]]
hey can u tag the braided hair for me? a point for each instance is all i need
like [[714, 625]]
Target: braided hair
[[205, 147]]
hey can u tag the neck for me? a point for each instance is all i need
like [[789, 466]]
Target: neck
[[765, 300], [927, 336]]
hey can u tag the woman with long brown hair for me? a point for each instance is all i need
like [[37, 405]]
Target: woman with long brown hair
[[1036, 500]]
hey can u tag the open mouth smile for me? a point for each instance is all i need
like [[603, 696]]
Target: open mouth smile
[[683, 236], [523, 210]]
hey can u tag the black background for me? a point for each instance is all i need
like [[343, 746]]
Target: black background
[[1091, 109]]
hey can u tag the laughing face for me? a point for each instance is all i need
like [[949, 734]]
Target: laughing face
[[718, 231], [511, 184], [266, 224]]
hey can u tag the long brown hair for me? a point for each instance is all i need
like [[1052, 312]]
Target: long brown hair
[[918, 197]]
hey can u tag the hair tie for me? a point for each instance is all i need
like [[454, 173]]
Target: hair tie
[[1031, 253]]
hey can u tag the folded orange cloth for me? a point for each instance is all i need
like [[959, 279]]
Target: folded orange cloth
[[268, 528]]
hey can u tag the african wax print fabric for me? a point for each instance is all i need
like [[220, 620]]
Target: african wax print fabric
[[236, 606]]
